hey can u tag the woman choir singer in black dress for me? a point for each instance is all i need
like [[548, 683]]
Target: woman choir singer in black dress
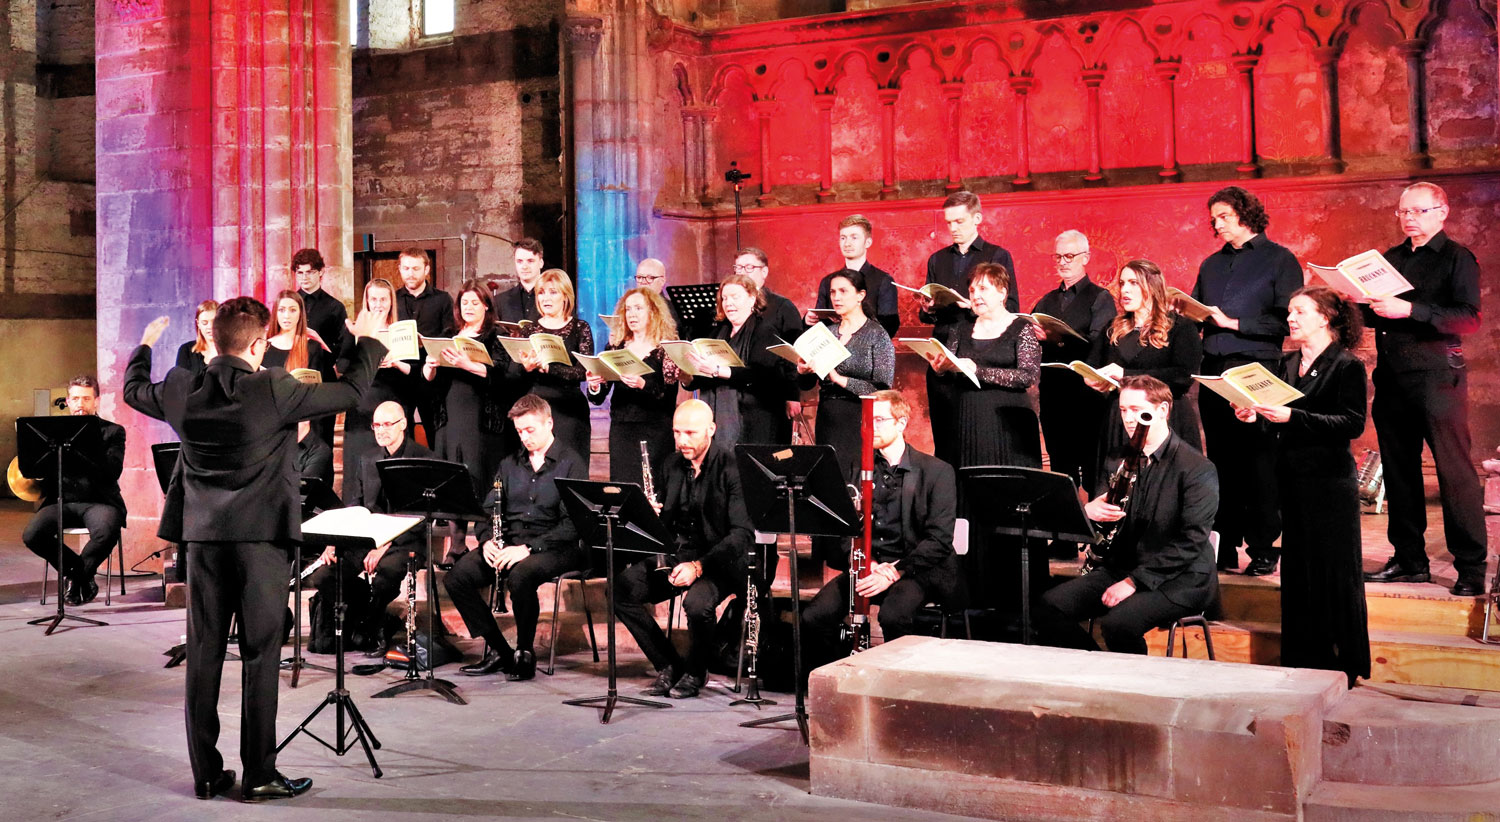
[[642, 406], [390, 377], [559, 385], [1147, 337], [470, 420], [291, 347], [749, 402], [1323, 616], [194, 355]]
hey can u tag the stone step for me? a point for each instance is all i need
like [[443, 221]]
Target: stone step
[[1376, 738], [1348, 802]]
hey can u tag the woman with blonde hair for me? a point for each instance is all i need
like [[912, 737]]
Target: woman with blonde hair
[[642, 407], [194, 355], [359, 437], [558, 384]]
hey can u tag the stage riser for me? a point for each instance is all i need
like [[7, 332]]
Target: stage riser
[[1452, 616], [1373, 738]]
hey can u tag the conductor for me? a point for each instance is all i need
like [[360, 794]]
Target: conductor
[[234, 502]]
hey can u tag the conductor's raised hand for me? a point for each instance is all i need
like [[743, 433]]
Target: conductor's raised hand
[[367, 324], [154, 330]]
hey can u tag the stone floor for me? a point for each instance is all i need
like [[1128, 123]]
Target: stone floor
[[91, 728]]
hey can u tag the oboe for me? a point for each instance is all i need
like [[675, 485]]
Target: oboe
[[1121, 485]]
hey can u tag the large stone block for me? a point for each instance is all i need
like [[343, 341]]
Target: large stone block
[[1043, 733]]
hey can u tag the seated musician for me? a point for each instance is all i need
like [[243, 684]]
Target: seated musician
[[703, 507], [1161, 565], [912, 562], [386, 564], [314, 456], [539, 542], [90, 499]]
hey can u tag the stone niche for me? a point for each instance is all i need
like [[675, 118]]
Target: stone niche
[[1016, 732]]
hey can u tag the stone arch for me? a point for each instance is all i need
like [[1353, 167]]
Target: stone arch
[[903, 63], [966, 61], [722, 78]]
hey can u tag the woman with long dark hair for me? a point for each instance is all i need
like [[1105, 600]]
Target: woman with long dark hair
[[290, 345], [194, 355], [642, 407], [470, 420], [1323, 615], [871, 367]]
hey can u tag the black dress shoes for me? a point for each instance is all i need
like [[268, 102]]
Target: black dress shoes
[[1259, 567], [1469, 585], [210, 788], [278, 788], [687, 687], [665, 679], [82, 593], [493, 662], [525, 667], [1394, 571]]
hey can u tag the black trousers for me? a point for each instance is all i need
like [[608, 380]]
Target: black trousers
[[103, 521], [1124, 626], [940, 412], [823, 616], [1245, 456], [249, 578], [472, 576], [1432, 407], [644, 584], [1072, 418], [366, 613]]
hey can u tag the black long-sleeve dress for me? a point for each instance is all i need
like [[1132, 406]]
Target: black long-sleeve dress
[[318, 359], [995, 422], [189, 359], [359, 437], [871, 367], [750, 404], [1175, 364], [1323, 616], [470, 420], [637, 414], [561, 386]]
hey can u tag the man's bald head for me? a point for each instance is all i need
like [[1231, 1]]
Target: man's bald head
[[651, 273], [389, 424], [693, 429]]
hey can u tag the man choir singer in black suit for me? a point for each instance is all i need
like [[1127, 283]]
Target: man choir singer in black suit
[[703, 507], [912, 560], [234, 502], [1161, 565], [91, 499]]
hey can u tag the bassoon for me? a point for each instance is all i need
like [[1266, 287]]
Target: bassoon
[[1121, 486], [856, 628]]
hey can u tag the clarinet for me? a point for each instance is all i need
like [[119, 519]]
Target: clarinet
[[1121, 485], [648, 486], [497, 525], [752, 627]]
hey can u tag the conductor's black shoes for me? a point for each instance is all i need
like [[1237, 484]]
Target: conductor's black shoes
[[278, 788], [1394, 571], [208, 789], [665, 678]]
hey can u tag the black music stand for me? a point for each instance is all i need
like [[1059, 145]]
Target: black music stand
[[696, 305], [49, 447], [1028, 502], [784, 484], [613, 516], [433, 489], [339, 696], [316, 496]]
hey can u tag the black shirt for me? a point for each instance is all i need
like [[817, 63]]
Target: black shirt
[[1252, 284], [880, 297], [533, 513], [315, 458], [948, 267], [885, 509], [782, 314], [432, 309], [1444, 304], [516, 304], [1086, 308], [325, 315]]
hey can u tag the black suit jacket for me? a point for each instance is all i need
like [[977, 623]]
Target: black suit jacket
[[722, 535], [782, 315], [1163, 544], [315, 458], [1314, 441], [236, 480], [514, 305], [929, 506], [880, 297], [100, 483]]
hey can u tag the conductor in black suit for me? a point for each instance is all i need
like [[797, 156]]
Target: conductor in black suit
[[913, 510], [91, 499], [234, 501], [1161, 566]]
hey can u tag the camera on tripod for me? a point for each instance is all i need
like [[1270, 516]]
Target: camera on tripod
[[734, 175]]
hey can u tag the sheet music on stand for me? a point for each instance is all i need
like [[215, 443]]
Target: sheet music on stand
[[696, 305], [348, 527]]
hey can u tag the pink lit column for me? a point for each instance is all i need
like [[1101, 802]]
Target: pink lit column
[[824, 102], [888, 140], [1021, 84], [1166, 72], [952, 94], [1244, 65]]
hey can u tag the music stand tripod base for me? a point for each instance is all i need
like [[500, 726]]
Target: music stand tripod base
[[42, 443]]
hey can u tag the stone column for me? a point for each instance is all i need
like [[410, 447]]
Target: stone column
[[1092, 78], [824, 102], [1166, 72], [888, 140], [952, 94], [764, 109], [1328, 67], [1415, 53], [223, 145], [689, 153], [1021, 84], [1244, 64]]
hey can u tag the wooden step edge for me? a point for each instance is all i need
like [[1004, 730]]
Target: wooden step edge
[[1345, 801]]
